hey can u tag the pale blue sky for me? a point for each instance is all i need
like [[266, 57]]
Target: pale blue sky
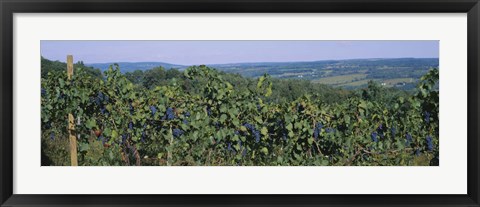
[[217, 52]]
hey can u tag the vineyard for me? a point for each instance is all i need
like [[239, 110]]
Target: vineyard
[[219, 123]]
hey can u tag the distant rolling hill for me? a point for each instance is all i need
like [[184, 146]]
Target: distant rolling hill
[[132, 66], [390, 72]]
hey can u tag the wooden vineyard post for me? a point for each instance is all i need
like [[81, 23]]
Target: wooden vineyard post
[[71, 120]]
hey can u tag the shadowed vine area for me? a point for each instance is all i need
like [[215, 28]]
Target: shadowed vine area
[[204, 117]]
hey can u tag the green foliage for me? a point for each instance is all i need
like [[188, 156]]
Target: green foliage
[[208, 118], [57, 66]]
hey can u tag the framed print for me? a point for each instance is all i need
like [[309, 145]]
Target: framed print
[[241, 103]]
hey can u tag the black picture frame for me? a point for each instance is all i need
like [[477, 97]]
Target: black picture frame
[[9, 7]]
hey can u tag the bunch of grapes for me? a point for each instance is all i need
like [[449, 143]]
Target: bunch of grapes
[[177, 132], [284, 131], [374, 136], [229, 147], [153, 109], [124, 138], [409, 139], [380, 131], [103, 110], [48, 125], [427, 117], [44, 92], [100, 98], [170, 114], [429, 143], [209, 111], [393, 131], [317, 130], [254, 131]]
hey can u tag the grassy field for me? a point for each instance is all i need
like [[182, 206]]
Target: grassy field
[[394, 81], [356, 83], [388, 82], [341, 79]]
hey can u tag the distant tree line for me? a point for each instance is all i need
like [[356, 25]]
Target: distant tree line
[[48, 66]]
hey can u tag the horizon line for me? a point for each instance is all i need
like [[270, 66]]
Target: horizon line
[[252, 62]]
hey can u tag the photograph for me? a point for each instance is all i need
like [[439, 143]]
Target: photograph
[[239, 103]]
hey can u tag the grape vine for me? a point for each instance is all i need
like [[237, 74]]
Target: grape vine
[[219, 125]]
